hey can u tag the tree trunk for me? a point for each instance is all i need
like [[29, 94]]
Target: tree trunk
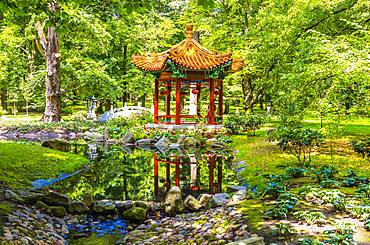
[[124, 95], [52, 85], [3, 99]]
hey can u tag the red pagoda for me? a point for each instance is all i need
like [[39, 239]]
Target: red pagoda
[[184, 72]]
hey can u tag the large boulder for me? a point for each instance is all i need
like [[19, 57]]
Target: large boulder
[[127, 139], [142, 204], [192, 203], [124, 205], [204, 199], [135, 214], [77, 207], [58, 211], [31, 197], [173, 201], [103, 206], [235, 188], [239, 196], [56, 199], [219, 199], [13, 197]]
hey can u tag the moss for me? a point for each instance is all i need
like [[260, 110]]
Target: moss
[[5, 208], [95, 240], [254, 210], [23, 163]]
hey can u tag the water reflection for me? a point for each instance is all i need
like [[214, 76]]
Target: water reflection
[[122, 173]]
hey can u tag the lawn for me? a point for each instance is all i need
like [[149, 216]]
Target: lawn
[[22, 163]]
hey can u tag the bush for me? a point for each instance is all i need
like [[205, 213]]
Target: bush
[[362, 147], [235, 123], [299, 142], [311, 217]]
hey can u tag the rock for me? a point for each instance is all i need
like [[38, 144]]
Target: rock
[[218, 145], [142, 204], [41, 205], [173, 201], [56, 199], [135, 214], [190, 141], [8, 236], [58, 211], [88, 199], [235, 188], [145, 143], [103, 206], [249, 241], [124, 205], [156, 206], [77, 207], [192, 203], [219, 199], [32, 197], [239, 196], [13, 197], [163, 144], [127, 139], [204, 199]]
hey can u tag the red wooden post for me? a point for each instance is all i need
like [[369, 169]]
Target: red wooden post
[[211, 102], [219, 174], [177, 174], [220, 102], [178, 98], [211, 172], [168, 102], [155, 175], [168, 176], [199, 87], [156, 84]]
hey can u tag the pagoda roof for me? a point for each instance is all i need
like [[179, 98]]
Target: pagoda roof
[[188, 54]]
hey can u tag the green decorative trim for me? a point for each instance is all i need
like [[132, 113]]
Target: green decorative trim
[[219, 71], [176, 71]]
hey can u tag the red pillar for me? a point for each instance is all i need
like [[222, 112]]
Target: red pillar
[[156, 84], [178, 98], [211, 102], [219, 174], [220, 102], [177, 174], [211, 172], [155, 175], [168, 176], [168, 102]]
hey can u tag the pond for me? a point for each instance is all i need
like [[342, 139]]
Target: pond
[[128, 173]]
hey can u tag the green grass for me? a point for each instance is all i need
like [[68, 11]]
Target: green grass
[[20, 163]]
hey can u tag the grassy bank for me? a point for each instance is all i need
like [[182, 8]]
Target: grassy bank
[[22, 163]]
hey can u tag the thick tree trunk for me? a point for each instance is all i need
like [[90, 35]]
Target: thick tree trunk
[[4, 105], [52, 86]]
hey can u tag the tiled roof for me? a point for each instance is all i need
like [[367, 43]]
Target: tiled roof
[[188, 54]]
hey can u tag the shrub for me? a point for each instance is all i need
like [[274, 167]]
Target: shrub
[[283, 231], [311, 217], [325, 172], [362, 147], [236, 123], [299, 142], [342, 234], [296, 172]]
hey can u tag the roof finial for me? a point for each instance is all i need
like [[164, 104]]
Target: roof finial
[[189, 31]]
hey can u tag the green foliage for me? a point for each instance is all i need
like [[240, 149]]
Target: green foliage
[[295, 172], [343, 234], [311, 217], [284, 204], [299, 142], [283, 231], [362, 147], [236, 123], [364, 191], [325, 172]]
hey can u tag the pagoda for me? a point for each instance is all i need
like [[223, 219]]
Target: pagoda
[[185, 72]]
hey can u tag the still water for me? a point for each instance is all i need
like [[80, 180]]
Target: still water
[[128, 173]]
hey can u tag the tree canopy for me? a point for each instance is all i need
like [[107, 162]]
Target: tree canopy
[[299, 54]]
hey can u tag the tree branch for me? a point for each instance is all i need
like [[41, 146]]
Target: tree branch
[[41, 43]]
